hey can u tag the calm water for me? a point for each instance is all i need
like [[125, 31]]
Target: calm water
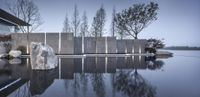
[[178, 76]]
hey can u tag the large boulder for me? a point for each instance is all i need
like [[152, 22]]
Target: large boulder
[[15, 53], [42, 56]]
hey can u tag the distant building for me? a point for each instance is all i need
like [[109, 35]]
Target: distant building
[[10, 23]]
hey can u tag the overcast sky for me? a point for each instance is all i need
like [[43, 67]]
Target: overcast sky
[[178, 20]]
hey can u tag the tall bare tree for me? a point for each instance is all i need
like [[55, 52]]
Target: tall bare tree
[[66, 24], [84, 25], [28, 11], [136, 18], [99, 22], [75, 21], [113, 23]]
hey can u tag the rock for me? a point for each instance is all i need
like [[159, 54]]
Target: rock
[[3, 55], [15, 61], [164, 54], [42, 56], [15, 53]]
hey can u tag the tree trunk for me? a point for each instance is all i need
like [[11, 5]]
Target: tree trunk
[[136, 35]]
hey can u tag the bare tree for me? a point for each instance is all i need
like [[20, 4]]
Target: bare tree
[[84, 25], [28, 11], [99, 22], [66, 27], [113, 23], [136, 18], [75, 21]]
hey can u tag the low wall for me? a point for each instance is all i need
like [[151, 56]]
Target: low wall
[[65, 43], [62, 45]]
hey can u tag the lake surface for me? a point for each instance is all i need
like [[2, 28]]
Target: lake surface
[[136, 76]]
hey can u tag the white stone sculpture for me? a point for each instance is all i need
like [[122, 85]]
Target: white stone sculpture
[[42, 56]]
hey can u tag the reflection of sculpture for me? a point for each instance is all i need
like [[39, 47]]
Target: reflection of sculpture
[[133, 85], [41, 80]]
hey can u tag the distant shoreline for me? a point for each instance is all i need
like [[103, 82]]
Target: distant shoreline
[[181, 48]]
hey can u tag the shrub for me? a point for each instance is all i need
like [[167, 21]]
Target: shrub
[[22, 49], [153, 44]]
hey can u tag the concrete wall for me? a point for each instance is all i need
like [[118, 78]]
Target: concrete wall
[[139, 45], [77, 45], [101, 46], [121, 46], [52, 39], [67, 44], [131, 46], [111, 45], [90, 45], [18, 39]]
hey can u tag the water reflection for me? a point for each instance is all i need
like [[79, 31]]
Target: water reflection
[[88, 76], [132, 84], [41, 80]]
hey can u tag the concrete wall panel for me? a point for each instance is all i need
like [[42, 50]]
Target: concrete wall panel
[[52, 39], [111, 45], [90, 45], [77, 45], [67, 43], [121, 46], [129, 45], [101, 49]]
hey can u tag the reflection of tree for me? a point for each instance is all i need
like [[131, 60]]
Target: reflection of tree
[[112, 83], [80, 82], [84, 83], [133, 84], [98, 84], [76, 84]]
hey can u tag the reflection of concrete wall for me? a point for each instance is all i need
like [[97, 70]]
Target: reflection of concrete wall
[[78, 65], [53, 41], [111, 64], [89, 65], [139, 62], [100, 64], [121, 62]]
